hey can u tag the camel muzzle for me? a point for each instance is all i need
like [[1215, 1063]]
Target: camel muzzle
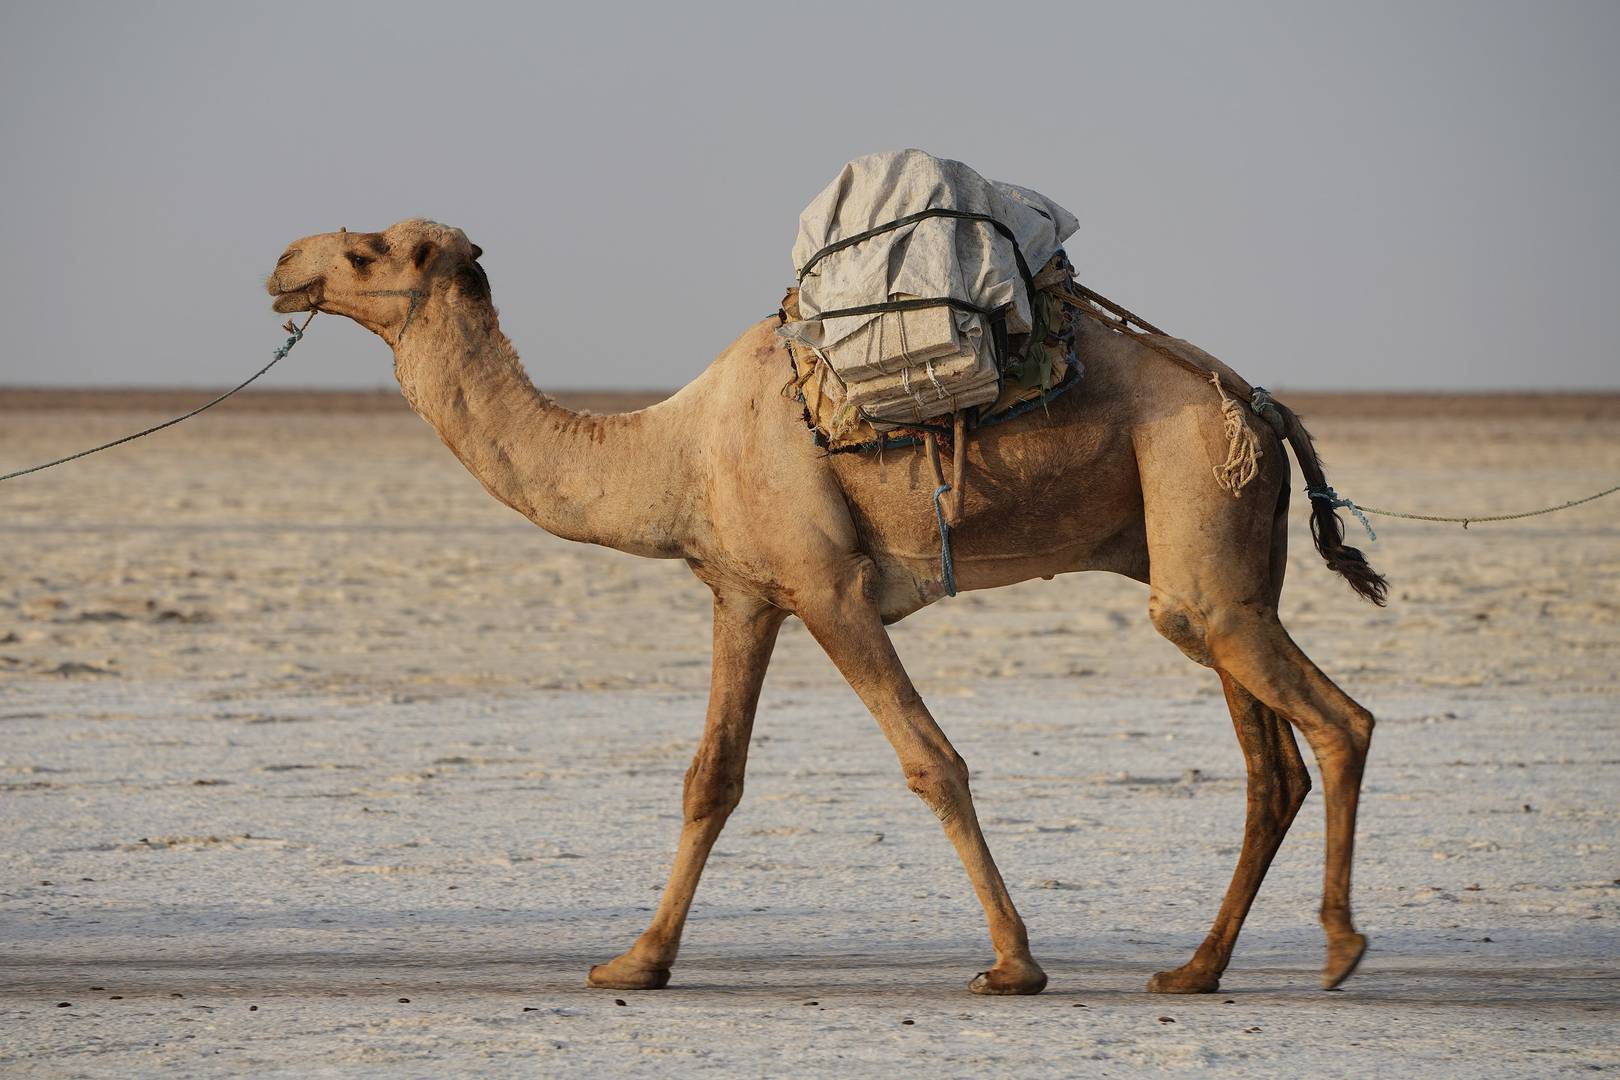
[[303, 297]]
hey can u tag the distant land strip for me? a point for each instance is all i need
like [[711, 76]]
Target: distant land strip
[[1574, 405], [143, 399]]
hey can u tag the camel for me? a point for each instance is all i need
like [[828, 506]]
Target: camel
[[1113, 476]]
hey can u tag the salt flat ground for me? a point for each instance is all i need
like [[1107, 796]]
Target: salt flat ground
[[295, 724]]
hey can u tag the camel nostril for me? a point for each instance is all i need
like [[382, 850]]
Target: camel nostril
[[283, 260]]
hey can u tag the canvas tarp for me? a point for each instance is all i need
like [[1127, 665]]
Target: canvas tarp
[[931, 360]]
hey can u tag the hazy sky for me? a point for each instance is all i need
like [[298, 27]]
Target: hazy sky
[[1410, 195]]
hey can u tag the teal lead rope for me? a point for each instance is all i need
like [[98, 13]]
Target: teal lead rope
[[947, 571], [296, 332], [1333, 499]]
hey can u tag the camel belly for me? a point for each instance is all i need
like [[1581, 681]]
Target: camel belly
[[1054, 495], [908, 584]]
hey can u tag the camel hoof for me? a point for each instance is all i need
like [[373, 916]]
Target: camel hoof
[[1184, 980], [1343, 955], [625, 973], [1023, 977]]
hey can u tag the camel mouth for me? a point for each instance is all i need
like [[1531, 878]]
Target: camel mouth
[[303, 297]]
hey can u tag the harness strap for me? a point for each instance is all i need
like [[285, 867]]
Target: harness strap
[[911, 219], [949, 516], [910, 305]]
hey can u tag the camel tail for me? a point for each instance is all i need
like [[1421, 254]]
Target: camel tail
[[1326, 526]]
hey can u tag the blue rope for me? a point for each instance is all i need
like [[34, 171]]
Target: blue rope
[[297, 336], [1333, 499], [946, 570]]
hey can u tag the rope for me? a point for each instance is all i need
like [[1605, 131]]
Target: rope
[[1265, 406], [947, 571], [1125, 315], [1143, 337], [1466, 521], [297, 333], [1243, 451]]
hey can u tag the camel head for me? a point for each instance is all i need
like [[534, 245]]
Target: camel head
[[379, 279]]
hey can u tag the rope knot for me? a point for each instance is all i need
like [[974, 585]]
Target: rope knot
[[1335, 500], [1265, 407], [297, 333]]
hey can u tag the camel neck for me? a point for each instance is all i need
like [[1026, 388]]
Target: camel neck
[[594, 479]]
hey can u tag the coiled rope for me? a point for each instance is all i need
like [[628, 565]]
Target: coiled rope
[[296, 332]]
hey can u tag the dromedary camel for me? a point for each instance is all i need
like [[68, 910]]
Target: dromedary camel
[[1114, 476]]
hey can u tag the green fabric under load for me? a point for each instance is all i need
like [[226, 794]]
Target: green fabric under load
[[1034, 367]]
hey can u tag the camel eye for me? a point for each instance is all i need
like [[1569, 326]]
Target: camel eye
[[359, 262]]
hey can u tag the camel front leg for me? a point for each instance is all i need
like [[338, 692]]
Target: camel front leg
[[1278, 784], [744, 635], [847, 625]]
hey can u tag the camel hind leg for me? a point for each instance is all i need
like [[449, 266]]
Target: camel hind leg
[[1278, 784], [1215, 572], [1255, 649], [1247, 643]]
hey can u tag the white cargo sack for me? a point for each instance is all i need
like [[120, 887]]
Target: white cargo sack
[[960, 260]]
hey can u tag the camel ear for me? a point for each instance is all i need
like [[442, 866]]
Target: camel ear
[[477, 252], [471, 281], [423, 254]]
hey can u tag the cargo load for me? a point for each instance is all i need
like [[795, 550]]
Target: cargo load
[[915, 294]]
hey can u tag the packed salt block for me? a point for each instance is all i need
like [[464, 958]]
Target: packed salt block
[[927, 391], [895, 340]]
